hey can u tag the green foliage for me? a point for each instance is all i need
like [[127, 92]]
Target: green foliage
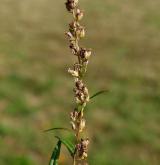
[[98, 93], [57, 128], [68, 144], [55, 154]]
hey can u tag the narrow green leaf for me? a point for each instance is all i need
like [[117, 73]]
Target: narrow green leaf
[[55, 154], [57, 128], [69, 145], [98, 93]]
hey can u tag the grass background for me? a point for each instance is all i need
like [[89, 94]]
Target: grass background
[[36, 92]]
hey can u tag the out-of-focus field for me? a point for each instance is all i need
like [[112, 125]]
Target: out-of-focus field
[[36, 91]]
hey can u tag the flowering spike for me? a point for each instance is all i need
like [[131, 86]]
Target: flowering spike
[[75, 33]]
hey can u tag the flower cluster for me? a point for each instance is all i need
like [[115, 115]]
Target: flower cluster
[[75, 33], [81, 93], [85, 54], [77, 121], [82, 148]]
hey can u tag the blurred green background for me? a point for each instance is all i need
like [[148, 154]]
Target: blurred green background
[[36, 91]]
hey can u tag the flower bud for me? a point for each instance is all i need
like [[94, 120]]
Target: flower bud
[[82, 125], [69, 35], [85, 143], [71, 4], [73, 48], [84, 155], [88, 54], [79, 84], [72, 25], [74, 115], [73, 125], [79, 14], [85, 54], [73, 72], [86, 93], [80, 32]]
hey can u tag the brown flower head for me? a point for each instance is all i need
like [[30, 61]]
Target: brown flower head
[[71, 5], [82, 148], [85, 54]]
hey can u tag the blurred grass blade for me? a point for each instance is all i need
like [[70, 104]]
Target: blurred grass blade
[[57, 128], [98, 93], [55, 154], [69, 145]]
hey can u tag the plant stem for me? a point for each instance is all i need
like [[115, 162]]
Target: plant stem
[[76, 32], [74, 160]]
